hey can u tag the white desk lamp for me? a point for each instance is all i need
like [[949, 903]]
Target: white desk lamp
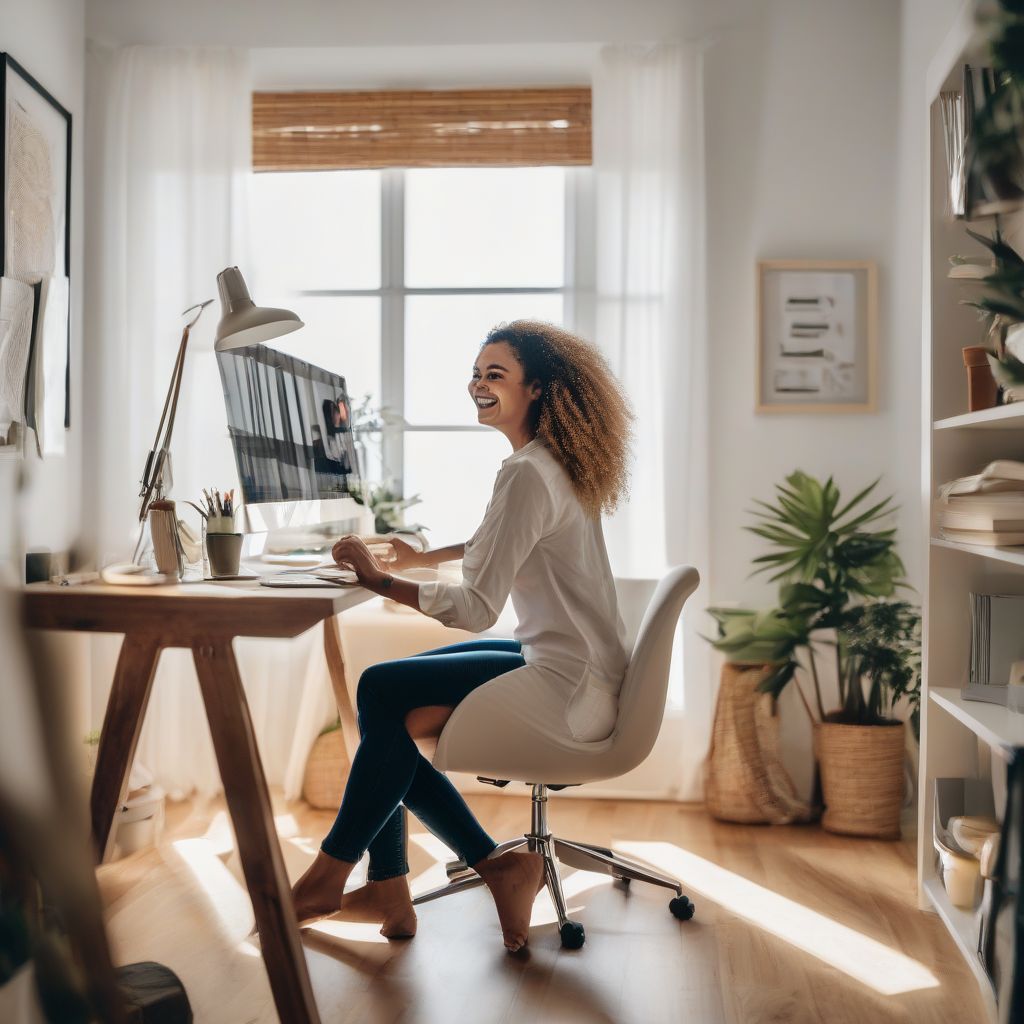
[[241, 324]]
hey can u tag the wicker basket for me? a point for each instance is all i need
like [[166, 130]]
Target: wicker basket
[[745, 779], [861, 778], [323, 785]]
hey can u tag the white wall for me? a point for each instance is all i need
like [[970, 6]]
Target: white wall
[[815, 115], [802, 117], [47, 37], [401, 22]]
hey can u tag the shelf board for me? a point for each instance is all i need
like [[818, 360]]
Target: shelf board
[[1012, 556], [1002, 417], [996, 725], [963, 926]]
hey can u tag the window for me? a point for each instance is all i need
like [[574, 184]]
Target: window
[[399, 274]]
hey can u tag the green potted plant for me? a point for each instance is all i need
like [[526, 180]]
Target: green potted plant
[[387, 507], [838, 574], [1001, 305]]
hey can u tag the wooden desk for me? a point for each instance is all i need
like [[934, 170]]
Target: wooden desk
[[206, 617]]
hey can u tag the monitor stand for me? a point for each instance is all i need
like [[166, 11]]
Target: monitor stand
[[297, 533]]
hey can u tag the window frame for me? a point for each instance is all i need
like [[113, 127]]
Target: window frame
[[576, 292]]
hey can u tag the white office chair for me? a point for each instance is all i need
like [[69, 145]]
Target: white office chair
[[476, 741]]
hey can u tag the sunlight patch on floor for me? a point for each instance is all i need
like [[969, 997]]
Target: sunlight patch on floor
[[872, 963], [286, 825], [226, 897], [351, 931], [219, 834], [573, 888], [306, 844], [435, 875]]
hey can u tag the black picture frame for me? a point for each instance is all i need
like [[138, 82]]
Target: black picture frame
[[8, 67]]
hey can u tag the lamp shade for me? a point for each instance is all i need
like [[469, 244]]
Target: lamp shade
[[241, 322]]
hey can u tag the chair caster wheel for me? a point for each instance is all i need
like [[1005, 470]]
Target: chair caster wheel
[[573, 935], [682, 908]]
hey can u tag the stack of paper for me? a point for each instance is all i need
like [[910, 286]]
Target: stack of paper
[[997, 641], [986, 508]]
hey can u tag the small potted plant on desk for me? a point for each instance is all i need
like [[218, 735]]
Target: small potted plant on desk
[[838, 573]]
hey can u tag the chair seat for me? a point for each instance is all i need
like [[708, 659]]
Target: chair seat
[[500, 749]]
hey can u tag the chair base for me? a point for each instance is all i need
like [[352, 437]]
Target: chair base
[[584, 856]]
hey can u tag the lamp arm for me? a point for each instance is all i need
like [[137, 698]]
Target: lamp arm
[[156, 460]]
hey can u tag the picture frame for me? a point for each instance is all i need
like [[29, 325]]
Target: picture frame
[[35, 251], [817, 336]]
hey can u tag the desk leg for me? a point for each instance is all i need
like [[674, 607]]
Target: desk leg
[[248, 799], [122, 723], [339, 683]]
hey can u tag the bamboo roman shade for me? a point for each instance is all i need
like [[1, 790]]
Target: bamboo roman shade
[[311, 131]]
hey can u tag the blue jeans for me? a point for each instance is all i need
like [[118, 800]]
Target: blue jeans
[[388, 769]]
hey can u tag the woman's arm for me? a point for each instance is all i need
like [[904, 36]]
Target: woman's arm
[[446, 554], [409, 557]]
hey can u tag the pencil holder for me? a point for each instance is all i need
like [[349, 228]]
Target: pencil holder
[[225, 550], [220, 524]]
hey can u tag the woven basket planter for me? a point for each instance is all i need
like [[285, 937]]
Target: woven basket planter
[[861, 778], [323, 785], [745, 780]]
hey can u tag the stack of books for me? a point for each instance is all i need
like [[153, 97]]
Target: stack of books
[[986, 508]]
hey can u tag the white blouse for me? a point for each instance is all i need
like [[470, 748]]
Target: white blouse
[[537, 542]]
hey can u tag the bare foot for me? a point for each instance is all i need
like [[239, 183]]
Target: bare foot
[[514, 879], [388, 903], [317, 893]]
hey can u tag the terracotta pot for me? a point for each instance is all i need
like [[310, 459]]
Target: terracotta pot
[[862, 777]]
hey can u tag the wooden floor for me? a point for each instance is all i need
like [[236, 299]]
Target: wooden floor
[[792, 925]]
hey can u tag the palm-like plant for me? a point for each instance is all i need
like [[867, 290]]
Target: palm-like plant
[[1001, 305], [836, 568]]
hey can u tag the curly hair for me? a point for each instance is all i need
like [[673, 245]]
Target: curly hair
[[582, 415]]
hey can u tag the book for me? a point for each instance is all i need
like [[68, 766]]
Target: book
[[970, 271], [1001, 475], [998, 500], [997, 638], [980, 520], [987, 538]]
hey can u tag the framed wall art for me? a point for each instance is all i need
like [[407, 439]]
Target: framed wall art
[[35, 263], [817, 338]]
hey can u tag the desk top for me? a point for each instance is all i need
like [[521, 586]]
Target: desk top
[[181, 613]]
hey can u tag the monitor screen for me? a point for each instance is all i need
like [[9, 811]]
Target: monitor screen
[[290, 424]]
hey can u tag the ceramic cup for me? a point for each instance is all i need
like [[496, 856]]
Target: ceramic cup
[[224, 550]]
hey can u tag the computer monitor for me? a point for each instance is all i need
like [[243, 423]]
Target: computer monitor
[[291, 427]]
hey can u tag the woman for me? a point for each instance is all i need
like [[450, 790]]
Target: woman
[[554, 398]]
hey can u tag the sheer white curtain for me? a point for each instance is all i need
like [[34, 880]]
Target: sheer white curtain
[[650, 321], [169, 156]]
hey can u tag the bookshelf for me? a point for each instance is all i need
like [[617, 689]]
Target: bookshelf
[[958, 738], [1005, 417], [1011, 556]]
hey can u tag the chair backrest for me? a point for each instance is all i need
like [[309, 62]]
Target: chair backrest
[[645, 688]]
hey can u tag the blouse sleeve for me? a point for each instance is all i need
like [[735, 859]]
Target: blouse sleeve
[[519, 513]]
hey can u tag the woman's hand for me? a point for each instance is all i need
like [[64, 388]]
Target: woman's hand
[[351, 553], [406, 556]]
